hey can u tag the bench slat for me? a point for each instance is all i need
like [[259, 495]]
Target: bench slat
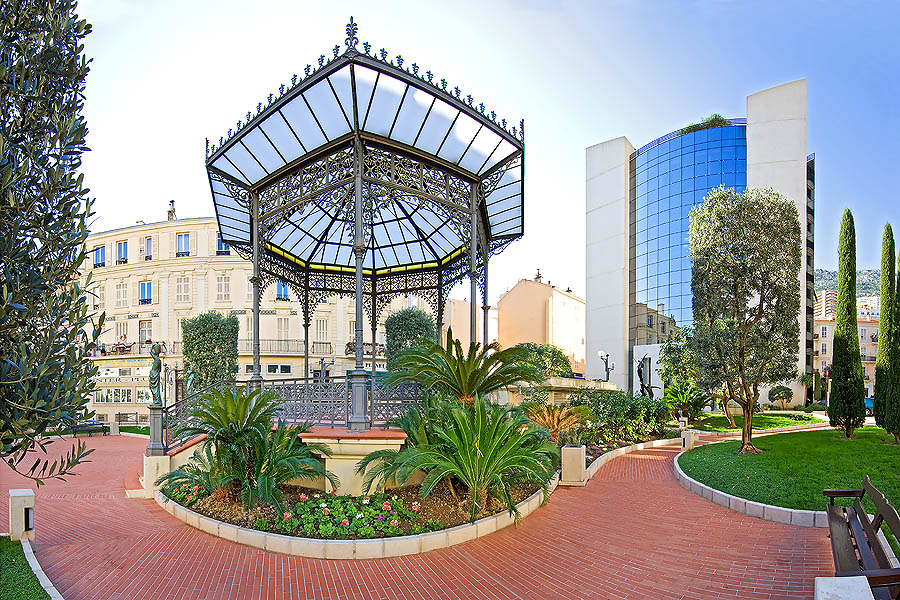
[[885, 509], [845, 560], [863, 547], [872, 536]]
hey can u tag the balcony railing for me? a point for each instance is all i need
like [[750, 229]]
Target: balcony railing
[[350, 349], [122, 261], [223, 252], [321, 348], [143, 301], [182, 253], [270, 346], [866, 358], [97, 265], [815, 336], [874, 338]]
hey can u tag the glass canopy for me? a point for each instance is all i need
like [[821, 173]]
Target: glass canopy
[[423, 149]]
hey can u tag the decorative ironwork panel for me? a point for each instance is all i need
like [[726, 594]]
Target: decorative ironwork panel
[[388, 403], [177, 416], [321, 402]]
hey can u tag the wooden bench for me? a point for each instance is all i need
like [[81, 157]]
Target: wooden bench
[[854, 541], [89, 427]]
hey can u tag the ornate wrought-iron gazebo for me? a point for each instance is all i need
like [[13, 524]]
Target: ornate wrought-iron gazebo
[[368, 178]]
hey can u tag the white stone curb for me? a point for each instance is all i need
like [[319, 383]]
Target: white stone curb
[[136, 435], [353, 549], [758, 431], [608, 456], [767, 512], [39, 572]]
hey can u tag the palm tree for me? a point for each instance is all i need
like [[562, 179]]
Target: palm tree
[[464, 375], [556, 418], [486, 447]]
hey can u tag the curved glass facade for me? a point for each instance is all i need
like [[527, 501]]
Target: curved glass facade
[[668, 178]]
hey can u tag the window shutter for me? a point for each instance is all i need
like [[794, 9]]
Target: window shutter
[[155, 246], [193, 243], [174, 237], [137, 290], [155, 290], [110, 257], [141, 249]]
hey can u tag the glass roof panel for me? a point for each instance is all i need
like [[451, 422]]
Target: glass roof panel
[[460, 137], [504, 150], [412, 115], [297, 114], [327, 109], [485, 143], [365, 86], [244, 162], [340, 81], [277, 130], [262, 150], [223, 165], [385, 103], [436, 126]]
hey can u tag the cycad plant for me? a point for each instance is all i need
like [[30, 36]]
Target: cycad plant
[[556, 418], [202, 470], [487, 448], [464, 375], [687, 397]]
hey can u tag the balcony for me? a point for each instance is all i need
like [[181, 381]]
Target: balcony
[[273, 346], [223, 252], [815, 336], [322, 348], [874, 338], [97, 265], [182, 254], [122, 261], [145, 301], [866, 358], [350, 349], [148, 257]]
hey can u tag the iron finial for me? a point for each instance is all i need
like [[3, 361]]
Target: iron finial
[[306, 70], [469, 99], [351, 40], [259, 108], [503, 123], [367, 46], [399, 61], [456, 91], [383, 54], [270, 98], [522, 129], [415, 69], [481, 107], [321, 60], [229, 132], [429, 75], [207, 146], [336, 50], [293, 79], [444, 84], [281, 90], [220, 141], [514, 132], [249, 116], [493, 116]]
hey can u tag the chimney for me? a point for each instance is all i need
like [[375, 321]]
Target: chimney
[[171, 210], [538, 276], [661, 309]]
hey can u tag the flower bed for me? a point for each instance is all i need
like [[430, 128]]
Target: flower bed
[[318, 515]]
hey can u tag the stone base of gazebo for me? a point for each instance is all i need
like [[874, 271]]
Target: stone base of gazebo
[[347, 449]]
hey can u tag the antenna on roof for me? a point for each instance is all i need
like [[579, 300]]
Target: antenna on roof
[[171, 210]]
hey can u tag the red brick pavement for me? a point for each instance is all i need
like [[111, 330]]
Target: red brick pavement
[[633, 532]]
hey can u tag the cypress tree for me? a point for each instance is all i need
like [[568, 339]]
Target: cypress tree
[[885, 358], [892, 395], [846, 404]]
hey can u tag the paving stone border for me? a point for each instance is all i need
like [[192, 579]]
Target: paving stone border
[[767, 512], [384, 547], [816, 425], [39, 572]]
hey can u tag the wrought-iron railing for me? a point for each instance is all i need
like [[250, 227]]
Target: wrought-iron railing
[[320, 401], [350, 349]]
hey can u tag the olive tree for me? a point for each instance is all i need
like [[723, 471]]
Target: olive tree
[[46, 330], [403, 328], [745, 249], [550, 359]]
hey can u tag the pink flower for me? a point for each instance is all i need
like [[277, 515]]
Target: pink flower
[[416, 507], [333, 493], [366, 500], [394, 523], [386, 506], [287, 516], [303, 497], [325, 511], [196, 487], [345, 522]]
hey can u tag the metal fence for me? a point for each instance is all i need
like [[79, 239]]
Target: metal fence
[[320, 401]]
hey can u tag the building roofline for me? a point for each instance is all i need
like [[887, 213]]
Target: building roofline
[[139, 225]]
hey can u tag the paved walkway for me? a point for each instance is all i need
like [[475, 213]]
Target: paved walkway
[[633, 532]]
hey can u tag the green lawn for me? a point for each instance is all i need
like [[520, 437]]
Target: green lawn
[[796, 467], [17, 581], [134, 429], [718, 422]]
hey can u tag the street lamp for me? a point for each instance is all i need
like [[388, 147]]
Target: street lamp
[[607, 366]]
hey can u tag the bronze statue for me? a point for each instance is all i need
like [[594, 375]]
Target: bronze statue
[[155, 370]]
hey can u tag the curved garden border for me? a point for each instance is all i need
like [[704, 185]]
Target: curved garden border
[[383, 547], [767, 512], [802, 427]]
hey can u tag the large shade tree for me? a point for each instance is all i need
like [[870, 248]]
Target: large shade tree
[[550, 359], [745, 249], [846, 403], [210, 348], [404, 328], [884, 358]]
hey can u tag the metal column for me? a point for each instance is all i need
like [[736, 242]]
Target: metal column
[[358, 420], [256, 379], [473, 265]]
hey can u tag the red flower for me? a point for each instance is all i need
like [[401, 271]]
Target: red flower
[[325, 511], [345, 522], [287, 516], [386, 506]]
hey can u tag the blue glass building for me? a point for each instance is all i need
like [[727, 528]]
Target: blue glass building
[[668, 177]]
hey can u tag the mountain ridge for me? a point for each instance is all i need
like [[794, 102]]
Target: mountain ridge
[[868, 281]]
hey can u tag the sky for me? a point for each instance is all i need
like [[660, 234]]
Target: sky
[[165, 75]]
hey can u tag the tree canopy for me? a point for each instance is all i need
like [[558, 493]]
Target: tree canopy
[[846, 404], [210, 347], [403, 328], [46, 331], [745, 249], [551, 361], [884, 358]]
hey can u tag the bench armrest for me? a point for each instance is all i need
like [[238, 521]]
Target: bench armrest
[[876, 577], [832, 494]]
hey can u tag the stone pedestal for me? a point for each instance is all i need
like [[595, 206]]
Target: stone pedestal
[[573, 469], [688, 439], [21, 515], [154, 468], [114, 428], [358, 420], [843, 588], [156, 447], [682, 423], [348, 448]]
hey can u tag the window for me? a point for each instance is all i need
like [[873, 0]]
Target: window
[[272, 369], [143, 396], [99, 256], [281, 291], [114, 395], [322, 330], [662, 327], [249, 291], [183, 244], [824, 331], [222, 249], [148, 248], [121, 295], [121, 331], [649, 320], [122, 252], [824, 348], [182, 289], [124, 371], [276, 369], [282, 328], [248, 368], [146, 292], [145, 331], [100, 297], [223, 288], [351, 330]]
